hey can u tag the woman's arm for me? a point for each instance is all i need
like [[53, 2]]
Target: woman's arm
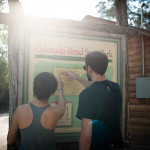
[[61, 100], [13, 131]]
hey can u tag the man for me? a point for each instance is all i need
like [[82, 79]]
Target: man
[[99, 106], [37, 120]]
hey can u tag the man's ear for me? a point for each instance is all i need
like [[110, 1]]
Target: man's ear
[[90, 69]]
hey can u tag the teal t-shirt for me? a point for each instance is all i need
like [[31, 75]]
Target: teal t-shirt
[[102, 103]]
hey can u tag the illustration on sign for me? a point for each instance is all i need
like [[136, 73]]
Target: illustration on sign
[[66, 120]]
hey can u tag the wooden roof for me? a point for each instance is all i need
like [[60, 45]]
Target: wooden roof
[[89, 18]]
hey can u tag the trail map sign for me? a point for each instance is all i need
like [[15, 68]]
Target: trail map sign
[[58, 52]]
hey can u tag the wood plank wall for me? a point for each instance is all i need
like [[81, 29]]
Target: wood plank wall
[[147, 55], [139, 109]]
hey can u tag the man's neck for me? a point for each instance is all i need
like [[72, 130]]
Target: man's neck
[[98, 78]]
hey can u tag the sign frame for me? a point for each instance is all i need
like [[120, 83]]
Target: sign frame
[[27, 30]]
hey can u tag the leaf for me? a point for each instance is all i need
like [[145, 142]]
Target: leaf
[[106, 10]]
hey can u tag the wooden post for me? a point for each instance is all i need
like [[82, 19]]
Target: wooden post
[[13, 57]]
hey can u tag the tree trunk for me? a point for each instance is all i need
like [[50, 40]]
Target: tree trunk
[[121, 12]]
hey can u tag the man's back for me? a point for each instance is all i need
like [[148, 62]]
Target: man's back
[[101, 102]]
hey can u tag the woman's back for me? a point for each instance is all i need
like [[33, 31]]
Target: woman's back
[[33, 122]]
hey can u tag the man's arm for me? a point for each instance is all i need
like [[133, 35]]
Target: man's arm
[[86, 134], [13, 131], [73, 75]]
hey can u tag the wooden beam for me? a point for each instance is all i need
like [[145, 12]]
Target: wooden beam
[[140, 108], [15, 7], [37, 21]]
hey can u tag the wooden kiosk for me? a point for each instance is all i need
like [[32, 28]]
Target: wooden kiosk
[[54, 45]]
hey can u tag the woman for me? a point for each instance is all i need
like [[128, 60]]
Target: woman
[[37, 120]]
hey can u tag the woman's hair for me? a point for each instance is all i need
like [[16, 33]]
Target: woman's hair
[[97, 61], [45, 84]]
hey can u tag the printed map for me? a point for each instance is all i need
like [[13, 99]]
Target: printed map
[[71, 86]]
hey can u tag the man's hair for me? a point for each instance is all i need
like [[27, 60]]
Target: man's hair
[[97, 61], [45, 84]]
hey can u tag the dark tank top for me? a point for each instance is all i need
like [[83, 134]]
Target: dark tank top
[[35, 136]]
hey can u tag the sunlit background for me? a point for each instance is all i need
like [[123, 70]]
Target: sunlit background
[[67, 9], [64, 9]]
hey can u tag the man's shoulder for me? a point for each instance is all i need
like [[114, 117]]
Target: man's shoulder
[[86, 92], [113, 84]]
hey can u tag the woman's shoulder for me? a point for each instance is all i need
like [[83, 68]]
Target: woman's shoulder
[[22, 109], [24, 106]]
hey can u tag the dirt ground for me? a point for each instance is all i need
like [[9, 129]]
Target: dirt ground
[[3, 131]]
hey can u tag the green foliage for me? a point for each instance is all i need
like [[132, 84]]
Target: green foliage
[[3, 42], [4, 81], [3, 6], [3, 78], [3, 35], [107, 11], [134, 12]]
